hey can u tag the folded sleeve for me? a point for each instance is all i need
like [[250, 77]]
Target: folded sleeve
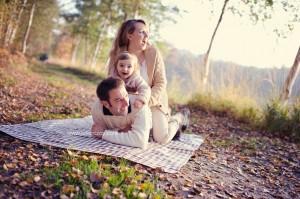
[[139, 133], [98, 123]]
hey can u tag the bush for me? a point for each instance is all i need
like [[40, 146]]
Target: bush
[[276, 117], [244, 110], [283, 120], [295, 122]]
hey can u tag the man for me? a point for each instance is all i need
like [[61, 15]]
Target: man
[[116, 121]]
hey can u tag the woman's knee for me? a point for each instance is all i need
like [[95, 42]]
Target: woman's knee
[[160, 135]]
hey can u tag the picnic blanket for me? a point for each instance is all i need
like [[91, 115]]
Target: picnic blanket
[[75, 134]]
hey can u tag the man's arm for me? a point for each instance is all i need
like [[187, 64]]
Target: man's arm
[[98, 126], [139, 133]]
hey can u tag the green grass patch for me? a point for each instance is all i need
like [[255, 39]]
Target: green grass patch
[[224, 143], [6, 80], [34, 117], [80, 176], [273, 118], [59, 75], [244, 110], [249, 146], [282, 120]]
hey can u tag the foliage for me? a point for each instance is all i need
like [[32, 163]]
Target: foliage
[[262, 11], [83, 176], [97, 21], [242, 109], [274, 118], [13, 20], [282, 120]]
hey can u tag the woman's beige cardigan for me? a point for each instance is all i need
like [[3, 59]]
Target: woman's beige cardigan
[[156, 76]]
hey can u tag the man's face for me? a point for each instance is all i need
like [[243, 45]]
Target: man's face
[[118, 101]]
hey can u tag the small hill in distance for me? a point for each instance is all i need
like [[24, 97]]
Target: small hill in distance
[[185, 70]]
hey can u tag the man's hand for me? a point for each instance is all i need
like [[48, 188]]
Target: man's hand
[[138, 103], [125, 130], [97, 131]]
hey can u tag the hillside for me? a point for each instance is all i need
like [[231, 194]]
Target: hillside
[[260, 83]]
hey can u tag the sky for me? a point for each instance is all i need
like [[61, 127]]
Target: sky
[[237, 39]]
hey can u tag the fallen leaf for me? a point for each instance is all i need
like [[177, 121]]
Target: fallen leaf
[[5, 167], [116, 191], [67, 189], [32, 158], [142, 195], [37, 178], [23, 184]]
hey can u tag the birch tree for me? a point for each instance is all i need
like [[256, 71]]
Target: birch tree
[[206, 56], [15, 29], [28, 28], [290, 80], [257, 11]]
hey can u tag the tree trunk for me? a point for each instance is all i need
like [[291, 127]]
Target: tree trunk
[[85, 50], [28, 28], [136, 9], [10, 23], [290, 80], [97, 50], [99, 46], [13, 35], [206, 57], [75, 50]]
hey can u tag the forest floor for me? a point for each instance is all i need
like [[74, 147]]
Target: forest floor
[[233, 162]]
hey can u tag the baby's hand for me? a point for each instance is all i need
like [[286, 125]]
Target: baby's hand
[[138, 103]]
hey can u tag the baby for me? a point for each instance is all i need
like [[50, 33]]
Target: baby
[[126, 68]]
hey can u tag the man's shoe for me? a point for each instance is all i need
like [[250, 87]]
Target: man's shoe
[[186, 119]]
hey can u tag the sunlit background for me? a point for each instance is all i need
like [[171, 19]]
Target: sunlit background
[[237, 40]]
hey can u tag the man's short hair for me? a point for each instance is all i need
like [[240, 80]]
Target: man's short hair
[[107, 85]]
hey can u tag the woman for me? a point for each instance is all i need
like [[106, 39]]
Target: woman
[[133, 36]]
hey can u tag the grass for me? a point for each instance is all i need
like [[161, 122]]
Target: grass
[[243, 109], [58, 75], [274, 118], [78, 176]]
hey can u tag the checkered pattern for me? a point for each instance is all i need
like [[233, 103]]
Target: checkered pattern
[[75, 134]]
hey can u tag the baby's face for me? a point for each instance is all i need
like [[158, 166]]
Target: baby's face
[[125, 68]]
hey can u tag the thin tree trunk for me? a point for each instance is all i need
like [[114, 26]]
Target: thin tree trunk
[[136, 9], [290, 80], [13, 35], [206, 57], [10, 25], [85, 49], [74, 54], [28, 29], [99, 46], [97, 50]]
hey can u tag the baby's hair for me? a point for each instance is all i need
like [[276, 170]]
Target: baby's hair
[[125, 55]]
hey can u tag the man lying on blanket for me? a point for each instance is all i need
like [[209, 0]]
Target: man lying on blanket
[[115, 120]]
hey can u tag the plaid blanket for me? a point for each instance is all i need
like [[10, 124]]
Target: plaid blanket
[[75, 134]]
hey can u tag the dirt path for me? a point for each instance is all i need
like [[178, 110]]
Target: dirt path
[[236, 163]]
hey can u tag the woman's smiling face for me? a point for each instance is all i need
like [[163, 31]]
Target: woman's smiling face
[[139, 38]]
